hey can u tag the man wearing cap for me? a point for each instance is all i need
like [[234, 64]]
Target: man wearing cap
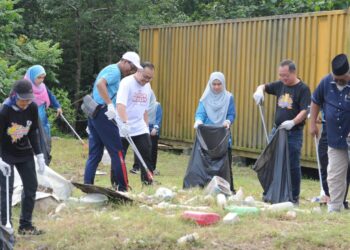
[[132, 103], [293, 99], [102, 132], [18, 141], [333, 96]]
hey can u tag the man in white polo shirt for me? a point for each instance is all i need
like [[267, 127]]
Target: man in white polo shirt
[[132, 103]]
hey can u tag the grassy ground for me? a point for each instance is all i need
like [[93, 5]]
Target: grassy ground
[[133, 227]]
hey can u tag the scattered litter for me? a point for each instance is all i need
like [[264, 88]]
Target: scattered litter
[[242, 210], [250, 201], [164, 193], [201, 218], [218, 185], [191, 200], [230, 218], [60, 207], [281, 206], [238, 197], [114, 218], [188, 238], [291, 214], [99, 172], [94, 198], [221, 200]]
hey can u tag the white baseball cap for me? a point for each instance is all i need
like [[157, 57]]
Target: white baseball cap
[[133, 58]]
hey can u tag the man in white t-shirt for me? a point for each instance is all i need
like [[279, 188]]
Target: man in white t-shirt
[[132, 103]]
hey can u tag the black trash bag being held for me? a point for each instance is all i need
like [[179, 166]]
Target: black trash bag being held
[[273, 169], [209, 156]]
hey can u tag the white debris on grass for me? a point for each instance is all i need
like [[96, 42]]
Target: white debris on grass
[[291, 214], [230, 218], [188, 238], [281, 206], [164, 193], [221, 200], [60, 208]]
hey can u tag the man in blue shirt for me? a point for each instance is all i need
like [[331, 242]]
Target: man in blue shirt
[[102, 132], [333, 95]]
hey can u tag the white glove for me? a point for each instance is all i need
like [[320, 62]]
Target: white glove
[[227, 124], [41, 163], [288, 125], [111, 112], [259, 95], [124, 129], [154, 132], [5, 168], [197, 123]]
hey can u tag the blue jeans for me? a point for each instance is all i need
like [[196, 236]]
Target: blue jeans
[[103, 133], [295, 142]]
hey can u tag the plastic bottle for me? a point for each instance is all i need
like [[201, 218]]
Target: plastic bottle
[[280, 206], [242, 210], [188, 238], [221, 200]]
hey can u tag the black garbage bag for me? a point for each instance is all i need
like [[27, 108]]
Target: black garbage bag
[[7, 239], [273, 169], [209, 156]]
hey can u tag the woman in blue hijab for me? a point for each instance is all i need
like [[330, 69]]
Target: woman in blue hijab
[[44, 99], [216, 107]]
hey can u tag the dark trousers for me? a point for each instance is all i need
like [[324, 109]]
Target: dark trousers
[[229, 153], [143, 144], [323, 156], [103, 133], [154, 154], [27, 173]]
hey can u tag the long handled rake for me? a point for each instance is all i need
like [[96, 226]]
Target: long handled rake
[[262, 116], [8, 224], [76, 134], [322, 193]]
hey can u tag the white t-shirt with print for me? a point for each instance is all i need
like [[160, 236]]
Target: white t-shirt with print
[[136, 99]]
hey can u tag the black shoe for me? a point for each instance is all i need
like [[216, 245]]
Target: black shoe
[[346, 205], [134, 171], [30, 230]]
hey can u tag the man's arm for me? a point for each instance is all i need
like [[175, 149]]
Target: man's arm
[[121, 108], [102, 90], [314, 110]]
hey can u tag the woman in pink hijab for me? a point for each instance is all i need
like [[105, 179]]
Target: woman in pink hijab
[[44, 99]]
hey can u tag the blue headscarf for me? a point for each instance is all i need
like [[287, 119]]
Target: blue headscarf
[[216, 104], [33, 72]]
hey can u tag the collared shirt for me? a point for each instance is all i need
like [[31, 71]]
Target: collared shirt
[[336, 107]]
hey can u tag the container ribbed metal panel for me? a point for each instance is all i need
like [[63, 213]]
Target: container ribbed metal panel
[[248, 52]]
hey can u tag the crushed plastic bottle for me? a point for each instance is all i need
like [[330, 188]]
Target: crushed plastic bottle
[[243, 210], [221, 200], [280, 206], [188, 238]]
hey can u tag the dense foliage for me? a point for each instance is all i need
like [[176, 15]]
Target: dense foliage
[[75, 39]]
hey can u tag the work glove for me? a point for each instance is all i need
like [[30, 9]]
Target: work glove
[[288, 125], [124, 129], [259, 95], [41, 163], [5, 168], [111, 112], [154, 132], [197, 123], [227, 124]]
